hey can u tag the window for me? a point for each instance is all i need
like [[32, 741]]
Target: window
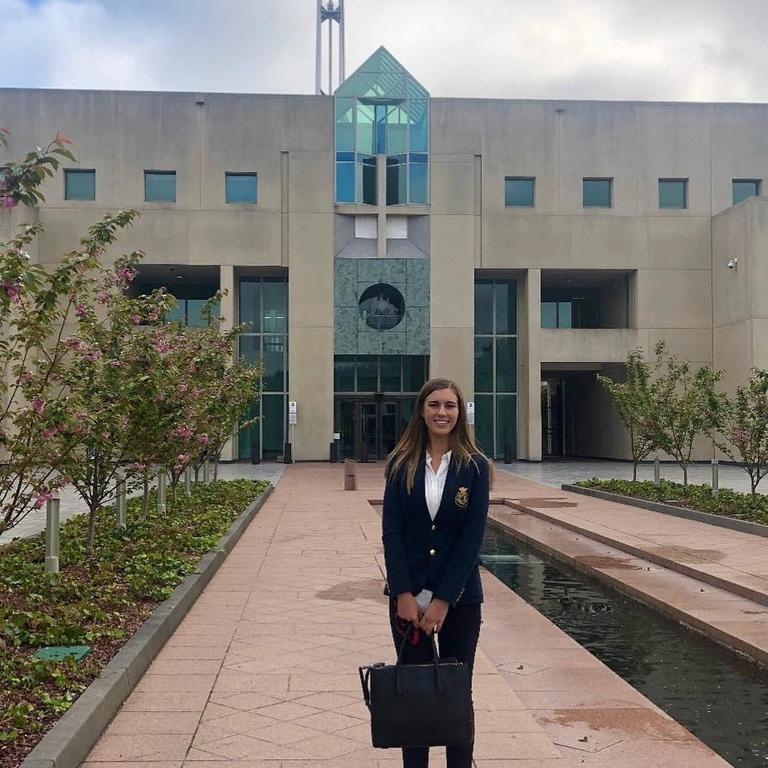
[[240, 187], [673, 193], [557, 314], [263, 307], [379, 373], [597, 193], [744, 188], [496, 365], [518, 191], [79, 184], [160, 186]]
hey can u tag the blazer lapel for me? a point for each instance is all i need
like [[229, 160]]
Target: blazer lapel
[[449, 491], [419, 496]]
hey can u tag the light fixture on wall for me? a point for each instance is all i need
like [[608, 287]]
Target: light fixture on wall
[[733, 263]]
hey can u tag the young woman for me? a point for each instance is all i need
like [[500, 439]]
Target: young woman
[[435, 508]]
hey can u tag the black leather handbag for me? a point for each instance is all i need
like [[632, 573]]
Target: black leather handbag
[[419, 705]]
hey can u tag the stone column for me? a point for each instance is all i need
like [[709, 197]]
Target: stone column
[[227, 311], [529, 366]]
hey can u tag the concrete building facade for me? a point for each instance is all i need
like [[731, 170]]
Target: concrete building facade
[[379, 236]]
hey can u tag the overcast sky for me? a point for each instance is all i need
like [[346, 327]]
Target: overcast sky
[[697, 50]]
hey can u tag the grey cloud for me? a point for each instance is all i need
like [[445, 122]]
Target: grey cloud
[[598, 49]]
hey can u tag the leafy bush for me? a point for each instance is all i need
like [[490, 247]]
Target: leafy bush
[[727, 503], [96, 601]]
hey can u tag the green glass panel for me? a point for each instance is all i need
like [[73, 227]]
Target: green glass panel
[[484, 424], [506, 364], [248, 439], [345, 125], [418, 176], [79, 185], [274, 306], [240, 187], [744, 188], [505, 294], [483, 364], [365, 126], [483, 307], [597, 193], [418, 113], [381, 75], [160, 186], [345, 182], [367, 373], [250, 348], [396, 184], [506, 425], [368, 184], [272, 425], [390, 374], [250, 304], [518, 192], [344, 373], [273, 357], [673, 193], [549, 314], [195, 317], [564, 314], [178, 314], [414, 372]]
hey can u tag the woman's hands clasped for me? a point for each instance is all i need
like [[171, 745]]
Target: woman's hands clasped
[[430, 621]]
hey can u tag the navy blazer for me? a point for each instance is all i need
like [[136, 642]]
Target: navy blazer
[[442, 556]]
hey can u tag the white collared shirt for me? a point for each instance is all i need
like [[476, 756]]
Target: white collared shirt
[[434, 485]]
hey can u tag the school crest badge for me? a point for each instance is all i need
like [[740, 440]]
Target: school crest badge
[[462, 497]]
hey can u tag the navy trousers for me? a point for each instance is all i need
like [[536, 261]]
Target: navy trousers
[[458, 640]]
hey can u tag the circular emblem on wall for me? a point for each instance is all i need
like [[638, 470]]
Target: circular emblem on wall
[[382, 306]]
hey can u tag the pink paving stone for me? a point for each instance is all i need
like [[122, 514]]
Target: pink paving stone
[[137, 747], [298, 605], [139, 723]]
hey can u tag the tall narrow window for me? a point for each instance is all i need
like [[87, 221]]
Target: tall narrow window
[[597, 193], [79, 184], [496, 366], [263, 307], [744, 188], [673, 193], [160, 186]]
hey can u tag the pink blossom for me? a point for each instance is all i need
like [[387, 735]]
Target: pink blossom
[[102, 297], [42, 498], [105, 435], [26, 377], [203, 439], [62, 426], [7, 201], [92, 356], [12, 291], [48, 433], [115, 363], [81, 310], [154, 315], [195, 393], [72, 343], [183, 387], [135, 319], [182, 432], [126, 274], [38, 406]]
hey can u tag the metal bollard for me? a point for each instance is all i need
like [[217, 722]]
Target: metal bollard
[[121, 502], [161, 493], [188, 481], [52, 508], [715, 477], [656, 471], [350, 475]]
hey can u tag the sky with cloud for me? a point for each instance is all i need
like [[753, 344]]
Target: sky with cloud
[[700, 50]]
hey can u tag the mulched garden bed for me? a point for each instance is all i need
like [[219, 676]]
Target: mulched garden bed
[[99, 601], [727, 503]]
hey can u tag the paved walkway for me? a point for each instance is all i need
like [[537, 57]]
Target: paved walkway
[[559, 471], [72, 504], [263, 670]]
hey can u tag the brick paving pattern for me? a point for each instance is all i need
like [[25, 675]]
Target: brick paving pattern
[[263, 670]]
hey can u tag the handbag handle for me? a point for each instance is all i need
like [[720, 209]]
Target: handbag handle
[[435, 661]]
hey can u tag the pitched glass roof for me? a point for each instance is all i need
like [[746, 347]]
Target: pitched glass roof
[[382, 77]]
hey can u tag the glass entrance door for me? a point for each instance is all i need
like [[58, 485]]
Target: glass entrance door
[[369, 429], [552, 416]]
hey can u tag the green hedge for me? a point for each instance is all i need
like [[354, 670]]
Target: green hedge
[[97, 602], [727, 503]]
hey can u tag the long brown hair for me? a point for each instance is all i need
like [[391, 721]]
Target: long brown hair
[[410, 449]]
